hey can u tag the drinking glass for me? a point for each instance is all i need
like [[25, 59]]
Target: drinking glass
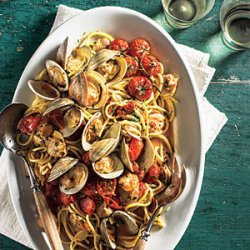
[[235, 23], [182, 14]]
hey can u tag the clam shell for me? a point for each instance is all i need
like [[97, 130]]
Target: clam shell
[[70, 130], [101, 57], [105, 234], [86, 145], [117, 171], [60, 81], [128, 222], [58, 103], [125, 155], [146, 159], [61, 167], [101, 148], [123, 69], [44, 90], [78, 186]]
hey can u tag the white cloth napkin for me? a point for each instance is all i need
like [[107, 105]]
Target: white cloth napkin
[[214, 121]]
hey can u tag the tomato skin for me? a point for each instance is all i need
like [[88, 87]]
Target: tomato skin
[[139, 47], [151, 65], [132, 66], [113, 203], [67, 199], [52, 195], [126, 109], [119, 45], [155, 171], [135, 148], [85, 159], [107, 187], [29, 123], [90, 190], [87, 205], [142, 189], [140, 87]]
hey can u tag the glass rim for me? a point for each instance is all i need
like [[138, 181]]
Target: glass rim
[[186, 21]]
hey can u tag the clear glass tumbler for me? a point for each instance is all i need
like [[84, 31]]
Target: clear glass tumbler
[[235, 23], [181, 14]]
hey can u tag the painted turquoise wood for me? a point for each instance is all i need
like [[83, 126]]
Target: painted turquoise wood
[[222, 218]]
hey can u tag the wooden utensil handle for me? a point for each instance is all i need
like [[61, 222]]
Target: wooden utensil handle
[[140, 245], [48, 221]]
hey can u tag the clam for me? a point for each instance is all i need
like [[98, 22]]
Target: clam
[[73, 119], [146, 159], [125, 223], [122, 65], [89, 90], [61, 166], [58, 103], [108, 167], [78, 60], [44, 90], [57, 75], [125, 155], [92, 131], [108, 233], [101, 57], [63, 53], [74, 179], [107, 145]]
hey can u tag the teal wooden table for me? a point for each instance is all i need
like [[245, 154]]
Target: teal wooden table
[[222, 217]]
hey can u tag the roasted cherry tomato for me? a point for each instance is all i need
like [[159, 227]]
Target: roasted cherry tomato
[[142, 189], [140, 87], [139, 47], [126, 109], [155, 171], [56, 118], [29, 123], [150, 65], [135, 148], [119, 45], [85, 159], [132, 66], [107, 187], [113, 203], [90, 190], [87, 205], [52, 195], [66, 199]]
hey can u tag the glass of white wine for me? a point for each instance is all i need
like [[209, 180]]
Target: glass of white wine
[[181, 14], [235, 23]]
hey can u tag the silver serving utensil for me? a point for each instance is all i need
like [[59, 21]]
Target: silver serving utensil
[[9, 118], [169, 195]]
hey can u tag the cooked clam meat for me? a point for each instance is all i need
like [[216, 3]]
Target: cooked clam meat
[[105, 165], [56, 145], [93, 130], [108, 69]]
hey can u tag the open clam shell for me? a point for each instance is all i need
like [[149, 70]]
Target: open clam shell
[[44, 90], [128, 224], [101, 57], [61, 167], [58, 103], [108, 233], [146, 159], [73, 119], [108, 167], [74, 179], [124, 153], [87, 138], [57, 75], [122, 64]]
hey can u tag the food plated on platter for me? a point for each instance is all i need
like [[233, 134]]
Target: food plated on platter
[[102, 135]]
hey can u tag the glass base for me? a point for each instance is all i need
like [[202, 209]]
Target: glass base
[[177, 24], [231, 44]]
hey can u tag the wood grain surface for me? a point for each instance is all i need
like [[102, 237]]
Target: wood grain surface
[[222, 217]]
